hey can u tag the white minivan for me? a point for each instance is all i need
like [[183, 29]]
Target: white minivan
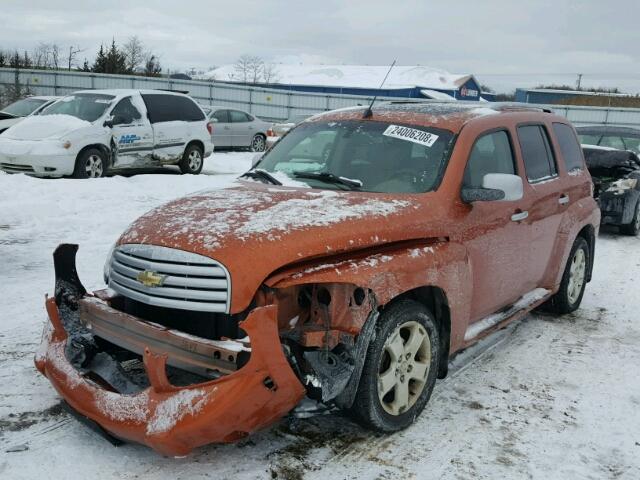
[[89, 132]]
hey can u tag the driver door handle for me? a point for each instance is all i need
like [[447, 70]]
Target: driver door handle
[[564, 199], [519, 216]]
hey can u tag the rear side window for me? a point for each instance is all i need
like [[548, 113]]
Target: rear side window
[[569, 147], [168, 108], [490, 154], [239, 117], [536, 152]]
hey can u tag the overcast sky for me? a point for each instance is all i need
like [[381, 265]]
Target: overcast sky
[[503, 42]]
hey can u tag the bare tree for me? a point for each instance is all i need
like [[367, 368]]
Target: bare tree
[[55, 55], [152, 66], [71, 57], [248, 68], [270, 73], [41, 56], [134, 53]]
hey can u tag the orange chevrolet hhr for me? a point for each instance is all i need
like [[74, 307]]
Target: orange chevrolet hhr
[[354, 259]]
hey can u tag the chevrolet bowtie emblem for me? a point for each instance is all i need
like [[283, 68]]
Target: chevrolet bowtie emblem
[[151, 279]]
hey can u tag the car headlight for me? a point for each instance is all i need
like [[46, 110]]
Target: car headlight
[[623, 184], [106, 272]]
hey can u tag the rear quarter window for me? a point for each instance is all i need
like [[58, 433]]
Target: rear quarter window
[[168, 108], [569, 146]]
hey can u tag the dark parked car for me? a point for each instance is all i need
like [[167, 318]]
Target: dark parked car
[[615, 175], [621, 138]]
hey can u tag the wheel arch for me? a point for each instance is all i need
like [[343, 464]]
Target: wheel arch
[[198, 143], [98, 146], [588, 233], [435, 299]]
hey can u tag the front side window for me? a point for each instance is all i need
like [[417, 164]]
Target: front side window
[[23, 107], [569, 147], [221, 116], [85, 106], [491, 153], [539, 161], [383, 157], [632, 143], [125, 112]]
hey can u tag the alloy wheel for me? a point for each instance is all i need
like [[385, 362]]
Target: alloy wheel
[[195, 160], [577, 273], [94, 166], [404, 367]]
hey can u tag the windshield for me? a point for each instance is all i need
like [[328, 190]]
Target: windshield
[[85, 106], [382, 157], [23, 107]]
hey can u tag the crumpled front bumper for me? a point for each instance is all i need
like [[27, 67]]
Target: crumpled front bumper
[[174, 420]]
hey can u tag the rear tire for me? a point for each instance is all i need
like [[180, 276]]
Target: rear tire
[[633, 228], [400, 369], [574, 280], [192, 160], [90, 164], [258, 143]]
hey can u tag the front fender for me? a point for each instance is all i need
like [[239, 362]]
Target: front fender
[[389, 273]]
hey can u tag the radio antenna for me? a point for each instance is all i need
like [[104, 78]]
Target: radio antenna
[[368, 112]]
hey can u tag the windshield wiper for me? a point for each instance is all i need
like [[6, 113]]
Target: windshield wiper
[[260, 174], [2, 112], [328, 177]]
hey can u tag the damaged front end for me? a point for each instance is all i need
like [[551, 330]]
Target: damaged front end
[[156, 385], [616, 175]]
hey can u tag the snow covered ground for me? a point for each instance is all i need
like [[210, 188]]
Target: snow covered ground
[[545, 398]]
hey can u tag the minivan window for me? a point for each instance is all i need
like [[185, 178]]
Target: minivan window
[[536, 151], [632, 143], [85, 106], [384, 157], [569, 147], [491, 153], [168, 108], [125, 112]]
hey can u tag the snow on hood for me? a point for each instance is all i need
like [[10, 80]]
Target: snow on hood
[[214, 218], [42, 127]]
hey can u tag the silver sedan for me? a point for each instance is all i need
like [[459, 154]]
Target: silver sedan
[[234, 128]]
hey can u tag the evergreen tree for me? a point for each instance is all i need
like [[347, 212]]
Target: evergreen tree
[[116, 61], [85, 66], [100, 63]]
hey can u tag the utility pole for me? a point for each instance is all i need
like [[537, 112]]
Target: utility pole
[[579, 81]]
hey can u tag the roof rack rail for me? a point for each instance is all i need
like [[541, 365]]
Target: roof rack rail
[[185, 92]]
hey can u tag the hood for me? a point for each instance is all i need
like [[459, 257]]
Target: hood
[[9, 121], [43, 127], [254, 229]]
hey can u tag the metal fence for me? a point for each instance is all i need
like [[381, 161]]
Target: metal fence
[[269, 104]]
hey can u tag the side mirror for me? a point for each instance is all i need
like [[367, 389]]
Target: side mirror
[[256, 159], [495, 187], [108, 122]]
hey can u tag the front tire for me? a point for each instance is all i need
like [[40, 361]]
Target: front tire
[[258, 143], [574, 280], [192, 160], [90, 164], [633, 228], [400, 368]]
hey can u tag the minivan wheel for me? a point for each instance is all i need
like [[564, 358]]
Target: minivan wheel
[[258, 143], [633, 228], [400, 368], [191, 160], [90, 164], [574, 280]]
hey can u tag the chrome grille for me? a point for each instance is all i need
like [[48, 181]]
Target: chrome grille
[[190, 281], [14, 168]]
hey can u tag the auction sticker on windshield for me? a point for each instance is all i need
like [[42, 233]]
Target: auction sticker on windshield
[[411, 134]]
